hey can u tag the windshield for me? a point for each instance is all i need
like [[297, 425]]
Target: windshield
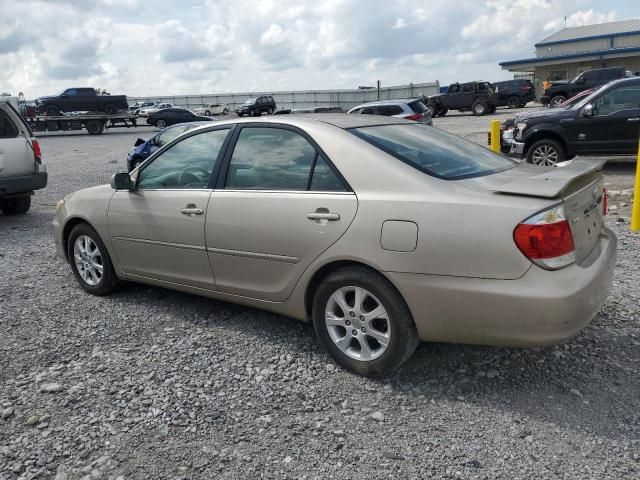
[[435, 152], [583, 101], [250, 100]]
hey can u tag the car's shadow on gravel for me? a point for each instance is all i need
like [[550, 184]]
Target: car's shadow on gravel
[[575, 384]]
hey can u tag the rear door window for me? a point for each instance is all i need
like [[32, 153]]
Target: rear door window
[[418, 106], [8, 129], [393, 110]]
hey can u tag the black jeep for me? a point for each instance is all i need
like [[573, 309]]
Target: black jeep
[[256, 105], [606, 122], [477, 97]]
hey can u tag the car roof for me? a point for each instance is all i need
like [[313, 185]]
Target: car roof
[[394, 101], [340, 120]]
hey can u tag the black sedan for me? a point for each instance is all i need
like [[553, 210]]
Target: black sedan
[[171, 116]]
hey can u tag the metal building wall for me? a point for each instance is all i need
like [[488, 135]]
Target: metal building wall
[[303, 99]]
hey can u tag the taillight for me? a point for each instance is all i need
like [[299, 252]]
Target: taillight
[[546, 239], [415, 116], [604, 201], [37, 152]]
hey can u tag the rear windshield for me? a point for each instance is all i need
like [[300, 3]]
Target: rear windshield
[[417, 106], [434, 151]]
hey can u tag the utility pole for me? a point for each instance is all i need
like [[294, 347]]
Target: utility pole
[[378, 89]]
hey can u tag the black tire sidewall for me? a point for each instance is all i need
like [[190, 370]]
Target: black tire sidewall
[[161, 123], [404, 337], [551, 102], [52, 110], [110, 109], [513, 102], [479, 102], [109, 282], [556, 145], [16, 205]]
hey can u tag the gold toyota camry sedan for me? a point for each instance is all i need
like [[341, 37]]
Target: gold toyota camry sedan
[[382, 232]]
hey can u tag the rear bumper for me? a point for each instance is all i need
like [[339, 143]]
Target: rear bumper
[[540, 308], [23, 184]]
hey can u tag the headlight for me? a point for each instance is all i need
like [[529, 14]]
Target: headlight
[[59, 205], [520, 128]]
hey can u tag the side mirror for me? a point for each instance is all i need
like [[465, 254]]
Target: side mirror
[[139, 142], [587, 110], [64, 95], [121, 181]]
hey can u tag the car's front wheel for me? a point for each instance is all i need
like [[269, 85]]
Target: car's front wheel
[[480, 107], [161, 123], [225, 111], [513, 101], [207, 113], [546, 153], [90, 261], [557, 100], [363, 322]]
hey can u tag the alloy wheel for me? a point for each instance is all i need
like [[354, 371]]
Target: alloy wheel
[[545, 155], [358, 323], [88, 260]]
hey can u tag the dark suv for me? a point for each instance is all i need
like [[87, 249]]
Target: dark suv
[[560, 90], [606, 122], [514, 93], [475, 96], [255, 106]]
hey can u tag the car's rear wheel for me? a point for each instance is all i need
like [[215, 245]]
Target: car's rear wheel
[[480, 107], [207, 113], [90, 261], [270, 111], [252, 113], [161, 123], [110, 109], [513, 101], [363, 322], [557, 100], [443, 112], [546, 153], [225, 111], [15, 205]]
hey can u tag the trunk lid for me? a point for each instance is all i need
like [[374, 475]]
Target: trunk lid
[[578, 184]]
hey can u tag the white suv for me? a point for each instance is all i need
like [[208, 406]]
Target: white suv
[[411, 109], [21, 168]]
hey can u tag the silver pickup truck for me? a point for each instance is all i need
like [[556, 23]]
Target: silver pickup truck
[[21, 167]]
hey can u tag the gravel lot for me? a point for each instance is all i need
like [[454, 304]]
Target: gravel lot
[[150, 383]]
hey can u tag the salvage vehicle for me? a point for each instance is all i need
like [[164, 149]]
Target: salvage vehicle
[[606, 122], [143, 149], [212, 109], [171, 116], [561, 90], [477, 97], [81, 100], [410, 109], [514, 93], [256, 106], [145, 111], [373, 228], [21, 167]]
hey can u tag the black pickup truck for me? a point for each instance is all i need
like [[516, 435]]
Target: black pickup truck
[[81, 100], [478, 97], [606, 122], [561, 90]]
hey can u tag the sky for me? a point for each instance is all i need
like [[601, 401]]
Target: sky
[[163, 47]]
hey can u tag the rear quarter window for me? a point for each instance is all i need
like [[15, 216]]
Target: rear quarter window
[[8, 129], [434, 152]]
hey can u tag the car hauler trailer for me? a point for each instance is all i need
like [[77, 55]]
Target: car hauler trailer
[[94, 123]]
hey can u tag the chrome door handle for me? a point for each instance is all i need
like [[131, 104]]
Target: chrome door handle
[[192, 210], [323, 216]]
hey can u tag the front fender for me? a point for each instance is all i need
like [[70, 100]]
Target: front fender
[[541, 130]]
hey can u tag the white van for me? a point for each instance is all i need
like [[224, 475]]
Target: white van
[[21, 167]]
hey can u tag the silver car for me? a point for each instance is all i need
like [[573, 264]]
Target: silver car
[[409, 109], [382, 232]]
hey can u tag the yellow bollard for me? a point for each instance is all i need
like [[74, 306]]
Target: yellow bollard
[[635, 209], [495, 136]]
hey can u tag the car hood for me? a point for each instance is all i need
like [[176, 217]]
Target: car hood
[[41, 99], [553, 113]]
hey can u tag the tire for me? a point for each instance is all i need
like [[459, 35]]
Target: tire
[[136, 163], [433, 106], [240, 114], [161, 123], [492, 109], [443, 112], [398, 327], [270, 111], [480, 107], [207, 113], [15, 205], [514, 101], [252, 113], [225, 111], [52, 110], [94, 127], [110, 109], [557, 100], [83, 262], [546, 153]]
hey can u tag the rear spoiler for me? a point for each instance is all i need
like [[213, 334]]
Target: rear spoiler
[[552, 182]]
